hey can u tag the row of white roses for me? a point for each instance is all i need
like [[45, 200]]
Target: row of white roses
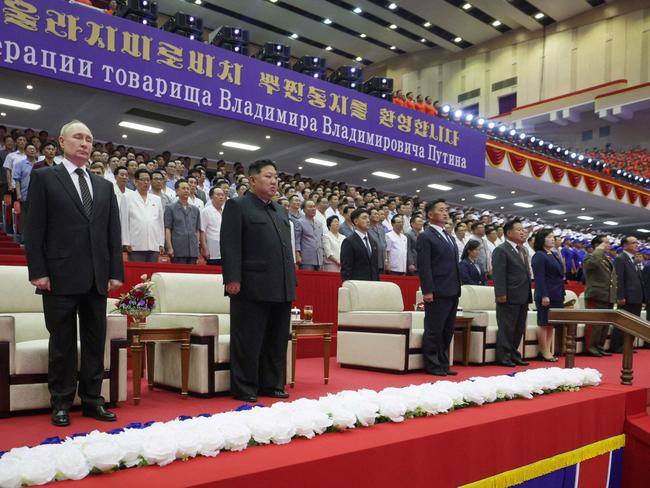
[[163, 442]]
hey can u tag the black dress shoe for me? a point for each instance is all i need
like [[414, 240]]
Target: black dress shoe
[[246, 398], [99, 412], [451, 372], [60, 418], [596, 353], [520, 362], [604, 353], [438, 372], [274, 393], [508, 364]]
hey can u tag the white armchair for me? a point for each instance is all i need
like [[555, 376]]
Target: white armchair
[[24, 348], [198, 301], [374, 331]]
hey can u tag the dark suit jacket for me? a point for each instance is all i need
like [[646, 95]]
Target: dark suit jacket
[[645, 277], [600, 277], [469, 275], [61, 242], [511, 276], [256, 249], [356, 264], [630, 285], [411, 251], [549, 276], [437, 263]]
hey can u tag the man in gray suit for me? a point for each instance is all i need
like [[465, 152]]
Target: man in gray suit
[[417, 223], [309, 239], [511, 275], [378, 233]]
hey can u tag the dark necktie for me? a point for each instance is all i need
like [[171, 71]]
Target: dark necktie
[[449, 239], [86, 198], [368, 248], [522, 255]]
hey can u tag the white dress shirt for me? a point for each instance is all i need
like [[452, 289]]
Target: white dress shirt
[[145, 222], [396, 248], [123, 208], [72, 168], [108, 175], [10, 161], [489, 249], [323, 221], [211, 225], [197, 202], [329, 212]]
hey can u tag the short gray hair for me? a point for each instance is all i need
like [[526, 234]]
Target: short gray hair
[[67, 126]]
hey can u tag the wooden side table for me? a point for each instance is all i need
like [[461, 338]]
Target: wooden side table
[[464, 325], [311, 329], [138, 336]]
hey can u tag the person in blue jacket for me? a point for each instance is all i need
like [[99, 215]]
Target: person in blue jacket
[[569, 259], [549, 289], [471, 270]]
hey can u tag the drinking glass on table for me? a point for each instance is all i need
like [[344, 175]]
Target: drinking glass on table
[[308, 313]]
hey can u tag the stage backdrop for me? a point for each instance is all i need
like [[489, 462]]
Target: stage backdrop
[[80, 45]]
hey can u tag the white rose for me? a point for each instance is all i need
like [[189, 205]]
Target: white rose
[[304, 423], [130, 441], [9, 473], [284, 430], [188, 441], [71, 464], [236, 435], [392, 406], [342, 418], [322, 421], [592, 377], [262, 427], [37, 469], [159, 449], [365, 411], [211, 438], [102, 454]]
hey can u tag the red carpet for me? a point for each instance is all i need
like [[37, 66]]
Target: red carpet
[[441, 451]]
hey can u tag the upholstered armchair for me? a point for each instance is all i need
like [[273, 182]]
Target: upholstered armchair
[[198, 301], [24, 348], [374, 331]]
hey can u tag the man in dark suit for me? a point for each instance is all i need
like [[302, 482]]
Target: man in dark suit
[[629, 292], [417, 223], [74, 257], [260, 279], [359, 251], [437, 265], [511, 275]]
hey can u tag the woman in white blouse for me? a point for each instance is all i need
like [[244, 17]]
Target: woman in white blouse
[[332, 243]]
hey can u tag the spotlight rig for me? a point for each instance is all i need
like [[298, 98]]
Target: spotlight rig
[[232, 39]]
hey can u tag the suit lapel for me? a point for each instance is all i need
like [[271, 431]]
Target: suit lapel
[[66, 180], [363, 246]]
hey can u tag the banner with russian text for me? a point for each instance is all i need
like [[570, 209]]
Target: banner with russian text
[[80, 45]]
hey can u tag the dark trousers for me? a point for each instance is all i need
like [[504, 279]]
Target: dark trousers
[[259, 334], [144, 256], [616, 344], [598, 332], [511, 323], [439, 322], [61, 321], [310, 267], [213, 262], [396, 273], [183, 260]]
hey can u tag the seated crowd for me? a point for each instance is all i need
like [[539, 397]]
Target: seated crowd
[[635, 161], [172, 206]]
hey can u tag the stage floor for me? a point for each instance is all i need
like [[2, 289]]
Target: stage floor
[[471, 440]]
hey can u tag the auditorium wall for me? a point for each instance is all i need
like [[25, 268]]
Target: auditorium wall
[[607, 43]]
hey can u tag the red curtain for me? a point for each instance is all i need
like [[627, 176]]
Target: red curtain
[[605, 187], [556, 173], [591, 183], [517, 162], [574, 178], [538, 168], [495, 155]]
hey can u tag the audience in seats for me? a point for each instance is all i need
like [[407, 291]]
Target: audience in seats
[[182, 227], [309, 239], [635, 161], [396, 247]]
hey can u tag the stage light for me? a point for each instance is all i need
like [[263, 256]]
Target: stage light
[[378, 87], [581, 157], [502, 129], [357, 10], [566, 152], [458, 114], [446, 109], [140, 11], [574, 155], [522, 136], [230, 38], [512, 133], [275, 53], [532, 139], [550, 146], [480, 122], [468, 118], [491, 125], [348, 76], [310, 65], [392, 6], [184, 25]]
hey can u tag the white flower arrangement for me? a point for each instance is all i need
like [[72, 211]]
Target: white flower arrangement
[[162, 443]]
